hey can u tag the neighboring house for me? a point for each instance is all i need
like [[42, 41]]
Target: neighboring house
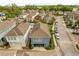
[[38, 18], [72, 17], [42, 13], [22, 17], [15, 37], [5, 27], [23, 14], [48, 18], [34, 17], [30, 17], [2, 16], [40, 35], [72, 20]]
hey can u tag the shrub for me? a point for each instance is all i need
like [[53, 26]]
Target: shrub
[[30, 47], [77, 46]]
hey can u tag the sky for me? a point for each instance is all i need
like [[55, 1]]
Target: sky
[[39, 2]]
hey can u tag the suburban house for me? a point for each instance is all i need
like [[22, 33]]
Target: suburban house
[[40, 36], [72, 21], [48, 18], [72, 17], [42, 13], [22, 17], [5, 27], [30, 17], [15, 37], [38, 18], [2, 16]]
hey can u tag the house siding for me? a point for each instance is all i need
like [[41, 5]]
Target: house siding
[[44, 41], [15, 41]]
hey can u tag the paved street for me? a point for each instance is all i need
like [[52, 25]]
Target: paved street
[[65, 42]]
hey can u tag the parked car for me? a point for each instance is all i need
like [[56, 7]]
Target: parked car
[[57, 35]]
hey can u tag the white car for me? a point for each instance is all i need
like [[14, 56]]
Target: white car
[[57, 35]]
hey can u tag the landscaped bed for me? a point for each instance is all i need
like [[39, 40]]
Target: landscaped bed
[[77, 46], [53, 41]]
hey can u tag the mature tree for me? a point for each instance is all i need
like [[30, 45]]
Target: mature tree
[[11, 11]]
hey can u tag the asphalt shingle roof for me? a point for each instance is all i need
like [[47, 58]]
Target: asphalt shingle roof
[[6, 24], [41, 31], [19, 30]]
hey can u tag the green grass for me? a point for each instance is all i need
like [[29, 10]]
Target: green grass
[[77, 46]]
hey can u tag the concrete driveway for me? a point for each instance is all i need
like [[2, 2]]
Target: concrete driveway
[[8, 52]]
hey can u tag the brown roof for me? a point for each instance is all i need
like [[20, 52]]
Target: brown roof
[[19, 30], [38, 18], [6, 24], [29, 16], [41, 31]]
